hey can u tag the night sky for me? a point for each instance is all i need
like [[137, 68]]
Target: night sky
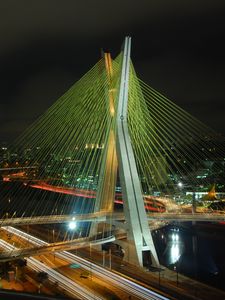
[[47, 45]]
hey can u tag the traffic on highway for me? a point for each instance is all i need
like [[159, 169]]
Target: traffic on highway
[[115, 279]]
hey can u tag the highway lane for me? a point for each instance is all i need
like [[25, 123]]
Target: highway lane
[[115, 279], [71, 287], [89, 217], [53, 247], [102, 217]]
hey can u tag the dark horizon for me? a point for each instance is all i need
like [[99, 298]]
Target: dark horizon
[[176, 48]]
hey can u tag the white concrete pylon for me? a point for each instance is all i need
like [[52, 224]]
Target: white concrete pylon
[[140, 240]]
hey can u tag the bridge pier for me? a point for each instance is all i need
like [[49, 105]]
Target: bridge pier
[[139, 238], [139, 246], [135, 256]]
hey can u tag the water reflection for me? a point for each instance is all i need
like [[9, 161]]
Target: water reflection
[[194, 251], [175, 246], [175, 237], [174, 253]]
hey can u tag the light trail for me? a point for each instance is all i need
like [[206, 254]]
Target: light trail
[[151, 203], [116, 280], [89, 217], [17, 168], [54, 247], [101, 217], [71, 287]]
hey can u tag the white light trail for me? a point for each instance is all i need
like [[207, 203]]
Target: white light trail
[[115, 279], [63, 282]]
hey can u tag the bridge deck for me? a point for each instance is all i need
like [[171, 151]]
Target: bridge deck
[[102, 217]]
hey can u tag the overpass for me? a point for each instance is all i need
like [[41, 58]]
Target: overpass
[[108, 217]]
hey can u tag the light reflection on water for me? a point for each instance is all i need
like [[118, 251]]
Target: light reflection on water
[[194, 251], [174, 253], [175, 247]]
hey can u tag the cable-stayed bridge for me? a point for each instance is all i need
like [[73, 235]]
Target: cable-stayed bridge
[[112, 131]]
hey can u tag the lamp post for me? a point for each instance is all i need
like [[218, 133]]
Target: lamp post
[[176, 269], [53, 235], [193, 203], [110, 259], [103, 258], [90, 250], [90, 260], [159, 277]]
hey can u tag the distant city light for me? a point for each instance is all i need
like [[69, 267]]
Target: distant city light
[[180, 184]]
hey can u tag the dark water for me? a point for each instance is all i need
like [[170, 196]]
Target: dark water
[[197, 251]]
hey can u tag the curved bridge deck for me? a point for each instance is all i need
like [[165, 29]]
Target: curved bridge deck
[[104, 217]]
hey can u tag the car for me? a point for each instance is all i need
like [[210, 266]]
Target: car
[[84, 274]]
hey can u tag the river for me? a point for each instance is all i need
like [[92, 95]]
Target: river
[[196, 250]]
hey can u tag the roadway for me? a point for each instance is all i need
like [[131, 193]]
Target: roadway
[[187, 288], [108, 217], [124, 285], [89, 217], [72, 288], [53, 247]]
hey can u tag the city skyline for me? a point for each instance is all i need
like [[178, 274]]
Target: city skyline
[[177, 49]]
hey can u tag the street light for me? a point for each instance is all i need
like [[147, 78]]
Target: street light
[[103, 258], [72, 224], [53, 235]]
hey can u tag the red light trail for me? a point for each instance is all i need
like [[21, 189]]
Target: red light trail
[[151, 204]]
